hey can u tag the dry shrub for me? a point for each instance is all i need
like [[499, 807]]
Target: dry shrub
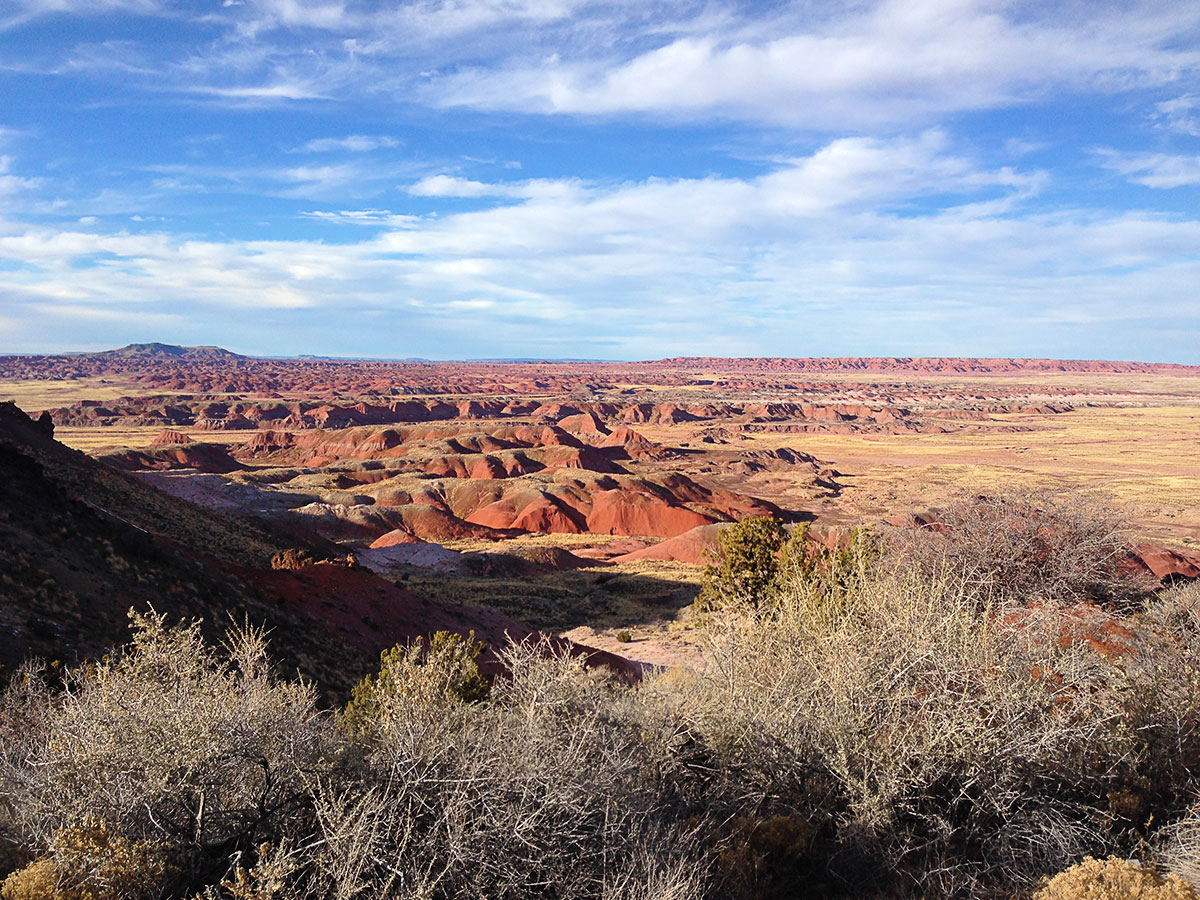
[[1114, 879], [36, 881], [299, 558], [24, 717], [270, 877], [958, 747], [171, 742], [91, 862], [764, 859], [294, 558], [549, 788], [1022, 545]]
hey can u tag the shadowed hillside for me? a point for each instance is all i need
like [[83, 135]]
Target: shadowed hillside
[[81, 543]]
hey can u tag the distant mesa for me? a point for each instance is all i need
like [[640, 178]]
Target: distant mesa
[[155, 350]]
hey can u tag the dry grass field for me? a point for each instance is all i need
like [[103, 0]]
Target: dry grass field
[[35, 395], [1142, 457]]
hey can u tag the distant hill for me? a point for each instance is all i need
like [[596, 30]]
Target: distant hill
[[156, 350], [915, 364]]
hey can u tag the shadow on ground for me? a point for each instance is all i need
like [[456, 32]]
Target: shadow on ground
[[600, 597]]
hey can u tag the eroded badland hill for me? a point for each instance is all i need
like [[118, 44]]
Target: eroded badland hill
[[580, 498]]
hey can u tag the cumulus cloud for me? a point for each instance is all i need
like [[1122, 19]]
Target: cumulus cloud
[[858, 242], [852, 196]]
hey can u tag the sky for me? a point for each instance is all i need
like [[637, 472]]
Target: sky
[[614, 180]]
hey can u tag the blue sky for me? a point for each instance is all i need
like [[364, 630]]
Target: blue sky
[[620, 179]]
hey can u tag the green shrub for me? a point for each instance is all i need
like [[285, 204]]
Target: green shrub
[[746, 564], [758, 558], [441, 670]]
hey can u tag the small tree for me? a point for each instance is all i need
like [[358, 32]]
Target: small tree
[[746, 565], [758, 559]]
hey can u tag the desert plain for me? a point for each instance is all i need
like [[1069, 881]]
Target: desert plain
[[583, 498]]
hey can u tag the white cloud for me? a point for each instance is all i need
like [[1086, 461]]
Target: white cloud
[[1181, 114], [821, 66], [19, 12], [450, 186], [893, 62], [377, 218], [352, 143], [263, 92], [1154, 170], [12, 184], [858, 246]]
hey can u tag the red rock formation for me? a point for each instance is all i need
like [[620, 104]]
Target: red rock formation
[[1165, 564], [168, 438], [394, 537], [629, 513], [696, 546]]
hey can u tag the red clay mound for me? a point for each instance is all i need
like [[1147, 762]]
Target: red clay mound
[[553, 558], [690, 547], [210, 459], [432, 524], [546, 515], [611, 550], [394, 537], [488, 467], [527, 511], [1164, 564], [168, 438], [578, 458], [630, 513], [636, 446], [583, 423]]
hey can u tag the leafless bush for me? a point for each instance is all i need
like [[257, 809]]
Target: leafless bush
[[887, 728], [1021, 545], [964, 747], [549, 788], [170, 741], [24, 718], [1179, 848]]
